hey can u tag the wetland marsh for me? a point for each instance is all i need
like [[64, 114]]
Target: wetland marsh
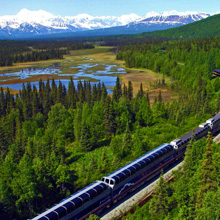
[[94, 65]]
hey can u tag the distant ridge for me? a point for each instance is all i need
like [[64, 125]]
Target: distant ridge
[[209, 27]]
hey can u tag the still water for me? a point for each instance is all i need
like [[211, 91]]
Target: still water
[[102, 73]]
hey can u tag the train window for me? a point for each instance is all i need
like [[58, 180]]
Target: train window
[[133, 170], [163, 151], [151, 158], [136, 166], [117, 179], [104, 186], [112, 182], [92, 193], [85, 197], [107, 180], [52, 216], [99, 189], [103, 179], [70, 206], [78, 202], [147, 161], [158, 154], [61, 211], [127, 173], [121, 176], [142, 164]]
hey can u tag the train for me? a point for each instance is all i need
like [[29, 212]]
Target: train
[[102, 194], [216, 72]]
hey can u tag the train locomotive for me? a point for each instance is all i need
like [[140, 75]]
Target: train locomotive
[[100, 195]]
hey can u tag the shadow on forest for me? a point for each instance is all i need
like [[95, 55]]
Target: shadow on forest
[[102, 143], [74, 157]]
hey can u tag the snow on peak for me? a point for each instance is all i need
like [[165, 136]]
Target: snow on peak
[[83, 16], [151, 14], [27, 14], [125, 19], [174, 12]]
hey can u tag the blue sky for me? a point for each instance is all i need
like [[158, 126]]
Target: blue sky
[[108, 7]]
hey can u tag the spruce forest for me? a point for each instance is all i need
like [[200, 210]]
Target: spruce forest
[[21, 51], [55, 141]]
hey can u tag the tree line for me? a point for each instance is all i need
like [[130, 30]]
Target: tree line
[[24, 51]]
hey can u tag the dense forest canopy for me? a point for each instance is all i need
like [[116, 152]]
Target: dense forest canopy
[[55, 141], [25, 51]]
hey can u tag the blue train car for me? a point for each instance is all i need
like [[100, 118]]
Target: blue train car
[[139, 171], [216, 72], [92, 199]]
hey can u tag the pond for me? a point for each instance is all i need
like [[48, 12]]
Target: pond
[[94, 72]]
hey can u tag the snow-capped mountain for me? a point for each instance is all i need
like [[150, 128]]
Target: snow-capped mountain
[[170, 18], [42, 22], [30, 23]]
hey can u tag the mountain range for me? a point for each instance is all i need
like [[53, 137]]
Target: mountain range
[[206, 28], [38, 23]]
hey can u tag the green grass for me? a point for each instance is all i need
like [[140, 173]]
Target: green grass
[[96, 50]]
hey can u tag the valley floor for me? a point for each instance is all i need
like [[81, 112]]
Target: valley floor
[[100, 55]]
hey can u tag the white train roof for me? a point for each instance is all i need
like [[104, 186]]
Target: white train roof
[[85, 190], [161, 149]]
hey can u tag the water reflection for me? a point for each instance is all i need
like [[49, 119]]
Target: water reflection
[[83, 70], [29, 72], [103, 73]]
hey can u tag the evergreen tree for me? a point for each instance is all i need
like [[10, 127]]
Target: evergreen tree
[[127, 141], [130, 90], [109, 118], [24, 186], [94, 93], [60, 95], [85, 138], [160, 98], [189, 161], [54, 92], [88, 95], [125, 91], [35, 102], [159, 203], [104, 93], [207, 182], [140, 93], [71, 94], [99, 91], [117, 92]]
